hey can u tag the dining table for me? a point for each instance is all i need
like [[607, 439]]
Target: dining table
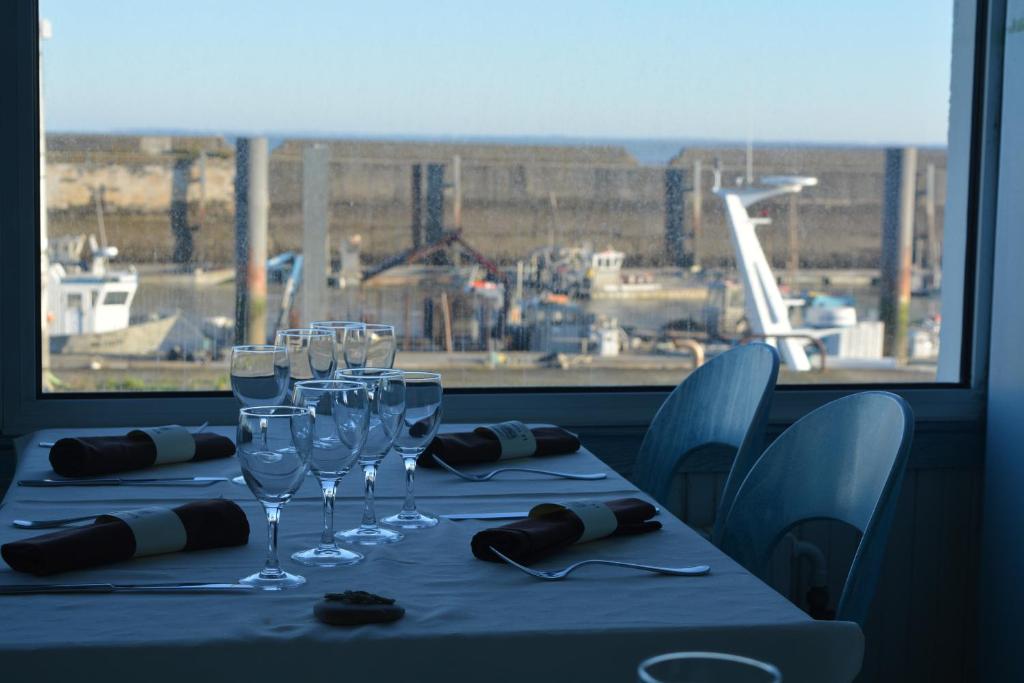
[[466, 619]]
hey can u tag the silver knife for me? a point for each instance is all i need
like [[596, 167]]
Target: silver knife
[[159, 481], [41, 588]]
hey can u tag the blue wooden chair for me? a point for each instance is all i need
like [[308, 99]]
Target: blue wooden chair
[[723, 405], [844, 461]]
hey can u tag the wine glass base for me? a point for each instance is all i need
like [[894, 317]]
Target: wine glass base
[[275, 582], [414, 520], [240, 480], [369, 536], [327, 557]]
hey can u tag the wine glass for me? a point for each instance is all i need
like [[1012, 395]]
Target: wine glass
[[341, 416], [423, 395], [310, 354], [387, 405], [275, 444], [381, 346], [706, 667], [259, 377], [349, 341]]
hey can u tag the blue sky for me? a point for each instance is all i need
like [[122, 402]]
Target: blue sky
[[873, 71]]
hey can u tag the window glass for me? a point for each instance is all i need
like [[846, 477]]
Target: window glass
[[574, 194]]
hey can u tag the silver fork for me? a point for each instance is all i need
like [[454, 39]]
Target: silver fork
[[557, 574], [52, 523], [490, 475], [199, 429]]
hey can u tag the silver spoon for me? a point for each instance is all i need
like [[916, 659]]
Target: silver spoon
[[52, 523], [555, 575], [49, 444], [490, 475]]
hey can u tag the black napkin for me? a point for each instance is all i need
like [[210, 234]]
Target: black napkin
[[208, 524], [482, 446], [88, 456], [534, 538]]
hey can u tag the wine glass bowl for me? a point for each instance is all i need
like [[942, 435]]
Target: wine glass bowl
[[381, 346], [349, 341], [310, 354], [259, 374]]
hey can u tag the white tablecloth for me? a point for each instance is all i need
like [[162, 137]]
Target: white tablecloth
[[465, 620]]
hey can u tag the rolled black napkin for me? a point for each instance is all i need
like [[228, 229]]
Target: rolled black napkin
[[551, 528], [200, 525], [482, 445], [88, 456]]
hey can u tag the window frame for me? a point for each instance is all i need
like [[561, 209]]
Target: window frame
[[973, 150]]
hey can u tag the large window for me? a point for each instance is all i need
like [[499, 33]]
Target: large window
[[571, 194]]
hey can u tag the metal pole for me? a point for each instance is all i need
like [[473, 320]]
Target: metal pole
[[698, 210], [674, 217], [315, 246], [251, 208], [897, 247], [417, 206], [794, 239], [934, 245]]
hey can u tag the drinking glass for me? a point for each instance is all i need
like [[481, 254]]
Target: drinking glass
[[275, 444], [259, 377], [341, 416], [381, 346], [423, 395], [706, 667], [387, 406], [349, 341], [310, 354]]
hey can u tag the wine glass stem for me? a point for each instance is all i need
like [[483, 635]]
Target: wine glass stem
[[369, 479], [272, 567], [329, 486], [410, 484]]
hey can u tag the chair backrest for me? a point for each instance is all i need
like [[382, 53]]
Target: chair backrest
[[723, 403], [843, 461]]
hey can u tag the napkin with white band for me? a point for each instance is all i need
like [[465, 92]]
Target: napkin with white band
[[138, 449], [501, 441], [551, 527], [118, 536]]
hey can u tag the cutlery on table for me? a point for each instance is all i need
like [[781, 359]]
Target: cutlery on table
[[49, 444], [493, 473], [177, 587], [518, 514], [52, 523], [156, 481], [556, 574]]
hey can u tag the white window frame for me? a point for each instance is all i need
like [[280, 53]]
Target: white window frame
[[973, 144]]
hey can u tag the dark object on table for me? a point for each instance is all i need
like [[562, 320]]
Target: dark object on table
[[207, 524], [537, 537], [96, 455], [462, 448], [353, 608]]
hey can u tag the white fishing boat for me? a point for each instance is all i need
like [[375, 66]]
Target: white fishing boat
[[85, 296]]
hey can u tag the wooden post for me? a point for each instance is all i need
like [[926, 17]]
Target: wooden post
[[446, 312], [435, 209], [315, 244], [697, 204], [674, 246], [252, 203], [417, 206], [897, 247], [457, 192], [181, 175]]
